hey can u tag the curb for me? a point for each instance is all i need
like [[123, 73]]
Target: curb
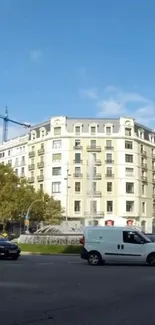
[[47, 254]]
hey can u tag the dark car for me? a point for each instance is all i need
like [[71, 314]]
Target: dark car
[[151, 237], [9, 250]]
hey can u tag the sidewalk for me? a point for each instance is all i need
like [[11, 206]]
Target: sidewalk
[[47, 254]]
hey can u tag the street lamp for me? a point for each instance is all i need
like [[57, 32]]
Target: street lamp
[[28, 212]]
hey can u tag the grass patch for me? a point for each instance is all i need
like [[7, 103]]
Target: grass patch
[[50, 249]]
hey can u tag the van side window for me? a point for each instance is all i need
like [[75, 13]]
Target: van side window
[[132, 237]]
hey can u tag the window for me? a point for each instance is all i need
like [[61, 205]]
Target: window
[[16, 162], [109, 171], [77, 171], [42, 146], [16, 172], [129, 188], [109, 186], [41, 172], [93, 143], [128, 145], [129, 158], [143, 189], [9, 152], [2, 154], [94, 171], [109, 157], [77, 143], [129, 206], [42, 133], [109, 206], [41, 187], [128, 132], [132, 237], [77, 187], [108, 129], [10, 162], [108, 144], [56, 144], [93, 206], [57, 130], [56, 157], [143, 207], [129, 172], [32, 148], [23, 160], [56, 187], [93, 187], [41, 158], [77, 157], [141, 134], [93, 130], [56, 171], [77, 130], [33, 136], [77, 206], [23, 171]]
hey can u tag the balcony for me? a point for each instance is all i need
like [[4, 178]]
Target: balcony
[[143, 153], [78, 147], [153, 180], [41, 151], [109, 161], [40, 178], [97, 176], [31, 179], [109, 175], [94, 194], [94, 148], [77, 161], [78, 175], [143, 166], [109, 148], [98, 162], [32, 154], [31, 167], [40, 164], [98, 214], [144, 179]]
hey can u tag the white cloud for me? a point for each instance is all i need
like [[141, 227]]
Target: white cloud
[[115, 102], [35, 55], [89, 93]]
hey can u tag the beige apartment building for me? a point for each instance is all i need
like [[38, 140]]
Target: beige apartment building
[[123, 173]]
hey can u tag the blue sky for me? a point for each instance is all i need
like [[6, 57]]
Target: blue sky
[[77, 58]]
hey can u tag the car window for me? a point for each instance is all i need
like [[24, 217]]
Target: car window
[[132, 237]]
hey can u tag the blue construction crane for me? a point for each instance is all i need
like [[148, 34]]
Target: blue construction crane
[[6, 119]]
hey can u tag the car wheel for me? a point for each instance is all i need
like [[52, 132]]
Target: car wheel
[[151, 259], [94, 258]]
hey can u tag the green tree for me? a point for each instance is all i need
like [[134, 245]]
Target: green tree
[[17, 196]]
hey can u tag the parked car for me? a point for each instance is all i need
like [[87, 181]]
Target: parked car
[[9, 250], [116, 244]]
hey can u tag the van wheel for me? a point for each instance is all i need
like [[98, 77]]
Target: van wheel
[[151, 259], [94, 258]]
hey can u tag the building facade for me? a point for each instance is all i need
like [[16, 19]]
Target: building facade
[[123, 173]]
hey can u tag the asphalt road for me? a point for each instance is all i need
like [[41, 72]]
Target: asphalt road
[[56, 290]]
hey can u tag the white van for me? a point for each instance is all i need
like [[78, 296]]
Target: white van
[[116, 244]]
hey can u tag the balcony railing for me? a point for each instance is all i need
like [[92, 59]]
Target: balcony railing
[[109, 175], [31, 167], [41, 151], [77, 147], [94, 194], [144, 166], [109, 161], [153, 180], [94, 148], [98, 162], [31, 179], [98, 214], [79, 175], [97, 176], [143, 153], [32, 154], [77, 161], [40, 178], [109, 148], [40, 164], [144, 179]]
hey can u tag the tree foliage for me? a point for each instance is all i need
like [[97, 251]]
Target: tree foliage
[[17, 198]]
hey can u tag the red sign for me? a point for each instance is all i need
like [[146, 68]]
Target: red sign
[[109, 223], [129, 222]]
